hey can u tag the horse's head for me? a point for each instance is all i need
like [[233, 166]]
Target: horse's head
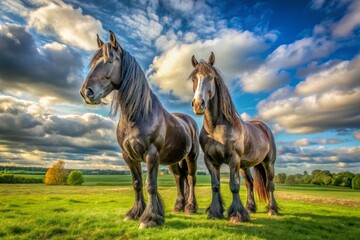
[[104, 74], [203, 78]]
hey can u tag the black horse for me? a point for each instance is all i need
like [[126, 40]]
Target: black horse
[[146, 131], [226, 138]]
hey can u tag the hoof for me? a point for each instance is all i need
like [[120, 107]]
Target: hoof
[[272, 213], [178, 209], [127, 218], [148, 225], [190, 209], [250, 210], [235, 220]]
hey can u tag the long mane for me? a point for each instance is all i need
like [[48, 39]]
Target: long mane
[[225, 104], [133, 95]]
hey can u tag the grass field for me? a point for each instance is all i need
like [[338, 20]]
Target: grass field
[[36, 211]]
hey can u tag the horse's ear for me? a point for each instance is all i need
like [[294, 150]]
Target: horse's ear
[[99, 41], [212, 59], [194, 61], [113, 40]]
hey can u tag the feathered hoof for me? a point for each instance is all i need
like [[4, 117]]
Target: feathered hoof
[[272, 213], [148, 225], [235, 220], [251, 209], [190, 209], [128, 218]]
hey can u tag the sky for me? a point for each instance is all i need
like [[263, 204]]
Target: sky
[[293, 64]]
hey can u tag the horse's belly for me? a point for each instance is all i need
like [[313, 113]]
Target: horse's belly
[[254, 155], [174, 151]]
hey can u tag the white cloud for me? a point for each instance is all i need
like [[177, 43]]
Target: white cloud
[[181, 5], [66, 23], [317, 104], [14, 6], [343, 75], [52, 70], [304, 142], [235, 53], [32, 134], [349, 22], [273, 72]]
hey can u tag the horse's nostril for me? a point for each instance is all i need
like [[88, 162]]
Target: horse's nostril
[[89, 93], [202, 102], [193, 102]]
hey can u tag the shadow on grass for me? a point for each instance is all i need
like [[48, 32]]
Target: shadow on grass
[[294, 226]]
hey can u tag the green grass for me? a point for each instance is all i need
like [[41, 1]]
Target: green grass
[[36, 211]]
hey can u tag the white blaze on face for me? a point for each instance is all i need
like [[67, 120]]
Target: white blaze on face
[[198, 93]]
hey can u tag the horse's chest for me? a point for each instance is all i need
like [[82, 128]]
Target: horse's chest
[[218, 147]]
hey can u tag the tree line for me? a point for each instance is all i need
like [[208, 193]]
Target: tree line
[[321, 177], [42, 171]]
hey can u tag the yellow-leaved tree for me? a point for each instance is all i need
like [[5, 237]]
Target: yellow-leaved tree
[[56, 175]]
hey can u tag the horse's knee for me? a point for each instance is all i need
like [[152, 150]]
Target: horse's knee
[[270, 186], [234, 188], [215, 187], [151, 189], [137, 185]]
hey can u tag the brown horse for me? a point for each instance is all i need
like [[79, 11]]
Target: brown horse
[[226, 138], [146, 131]]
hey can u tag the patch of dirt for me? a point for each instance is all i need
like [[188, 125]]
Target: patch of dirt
[[314, 199]]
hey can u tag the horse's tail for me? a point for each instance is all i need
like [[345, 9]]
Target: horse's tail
[[184, 185], [260, 182]]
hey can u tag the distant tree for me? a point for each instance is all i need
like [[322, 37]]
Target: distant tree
[[75, 177], [344, 179], [319, 175], [356, 182], [280, 178], [290, 180], [56, 175], [306, 179], [327, 180]]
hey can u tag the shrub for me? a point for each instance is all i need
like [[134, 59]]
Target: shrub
[[75, 178], [10, 178], [56, 175], [356, 182]]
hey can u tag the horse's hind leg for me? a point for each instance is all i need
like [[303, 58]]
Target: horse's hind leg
[[216, 208], [191, 205], [154, 213], [270, 187], [179, 179], [236, 212], [249, 182], [139, 205]]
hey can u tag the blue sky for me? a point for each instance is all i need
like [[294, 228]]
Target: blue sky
[[292, 64]]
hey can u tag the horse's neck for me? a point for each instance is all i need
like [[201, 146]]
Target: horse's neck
[[144, 100], [213, 115]]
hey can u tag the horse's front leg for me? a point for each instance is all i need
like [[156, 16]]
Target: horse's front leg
[[154, 213], [216, 208], [139, 205], [236, 212]]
